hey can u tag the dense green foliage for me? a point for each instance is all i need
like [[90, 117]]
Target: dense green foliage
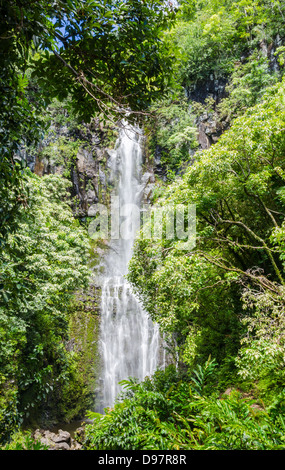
[[224, 297], [216, 72], [101, 57], [110, 57], [212, 35], [43, 264], [226, 55], [237, 191], [172, 134], [107, 55], [168, 413]]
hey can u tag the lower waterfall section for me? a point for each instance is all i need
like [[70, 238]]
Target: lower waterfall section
[[130, 342], [129, 339]]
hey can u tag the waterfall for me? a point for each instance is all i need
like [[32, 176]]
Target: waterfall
[[129, 340]]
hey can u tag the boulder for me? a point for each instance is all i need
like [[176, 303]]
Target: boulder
[[61, 440], [61, 446], [62, 436]]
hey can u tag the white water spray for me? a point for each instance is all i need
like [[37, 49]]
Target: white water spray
[[130, 341]]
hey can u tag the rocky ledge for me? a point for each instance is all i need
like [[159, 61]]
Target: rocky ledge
[[61, 440]]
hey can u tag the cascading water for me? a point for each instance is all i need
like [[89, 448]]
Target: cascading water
[[130, 341]]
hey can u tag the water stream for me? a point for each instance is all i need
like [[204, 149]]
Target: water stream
[[130, 342]]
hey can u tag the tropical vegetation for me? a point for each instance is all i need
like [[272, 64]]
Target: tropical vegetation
[[205, 80]]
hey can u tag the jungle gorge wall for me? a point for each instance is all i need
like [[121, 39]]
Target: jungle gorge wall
[[81, 152]]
